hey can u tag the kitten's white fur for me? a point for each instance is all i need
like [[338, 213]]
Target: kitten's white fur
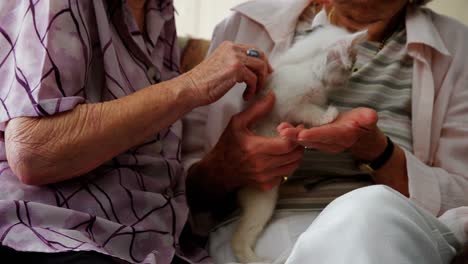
[[302, 79]]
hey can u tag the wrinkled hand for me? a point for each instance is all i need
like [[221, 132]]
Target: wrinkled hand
[[226, 66], [355, 131], [243, 158]]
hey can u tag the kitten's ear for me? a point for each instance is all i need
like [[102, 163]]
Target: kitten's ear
[[356, 39], [351, 41], [345, 50]]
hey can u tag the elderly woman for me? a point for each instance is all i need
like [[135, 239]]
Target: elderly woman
[[89, 139], [404, 120]]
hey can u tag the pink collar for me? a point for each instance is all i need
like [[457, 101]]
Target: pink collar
[[279, 18]]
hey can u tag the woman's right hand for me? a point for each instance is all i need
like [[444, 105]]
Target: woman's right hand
[[226, 66], [242, 158]]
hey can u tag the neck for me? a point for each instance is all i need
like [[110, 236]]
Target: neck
[[138, 11], [389, 29], [136, 4], [377, 31]]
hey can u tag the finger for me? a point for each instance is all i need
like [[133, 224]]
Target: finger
[[273, 146], [290, 133], [313, 136], [287, 169], [343, 135], [283, 125], [263, 167], [256, 110], [347, 127], [327, 134], [244, 48], [259, 67], [251, 80], [276, 161], [366, 117], [279, 172], [262, 56]]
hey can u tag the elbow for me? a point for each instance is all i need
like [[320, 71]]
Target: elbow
[[24, 159], [23, 166], [28, 178]]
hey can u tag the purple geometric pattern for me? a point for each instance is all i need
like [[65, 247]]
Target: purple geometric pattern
[[55, 55]]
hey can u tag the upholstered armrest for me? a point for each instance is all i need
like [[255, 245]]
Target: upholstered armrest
[[193, 51]]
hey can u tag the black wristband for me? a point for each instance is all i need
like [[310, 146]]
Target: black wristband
[[384, 157]]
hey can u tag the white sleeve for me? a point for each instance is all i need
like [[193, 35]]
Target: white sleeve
[[444, 184]]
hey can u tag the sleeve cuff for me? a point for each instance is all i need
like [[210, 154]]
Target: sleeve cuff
[[24, 108], [423, 184]]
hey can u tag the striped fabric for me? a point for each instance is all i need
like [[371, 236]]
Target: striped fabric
[[381, 80]]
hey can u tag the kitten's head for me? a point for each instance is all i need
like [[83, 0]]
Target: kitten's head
[[341, 57], [344, 51]]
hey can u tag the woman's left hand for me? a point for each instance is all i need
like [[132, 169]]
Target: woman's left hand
[[355, 131]]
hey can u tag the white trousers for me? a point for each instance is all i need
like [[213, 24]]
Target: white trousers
[[367, 226]]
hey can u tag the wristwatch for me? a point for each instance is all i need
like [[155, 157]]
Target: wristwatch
[[377, 163]]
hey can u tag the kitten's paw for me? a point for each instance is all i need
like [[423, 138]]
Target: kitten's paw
[[329, 116]]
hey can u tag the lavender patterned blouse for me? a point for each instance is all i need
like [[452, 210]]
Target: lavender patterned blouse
[[55, 55]]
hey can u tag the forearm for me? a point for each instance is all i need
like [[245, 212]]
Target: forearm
[[394, 171], [52, 149]]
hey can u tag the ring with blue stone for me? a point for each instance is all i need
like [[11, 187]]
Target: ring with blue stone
[[253, 53]]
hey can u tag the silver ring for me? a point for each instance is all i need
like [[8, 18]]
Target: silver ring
[[253, 53]]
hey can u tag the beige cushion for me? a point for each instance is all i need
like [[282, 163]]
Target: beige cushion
[[193, 52]]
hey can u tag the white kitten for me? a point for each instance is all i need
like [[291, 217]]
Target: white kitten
[[302, 79]]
